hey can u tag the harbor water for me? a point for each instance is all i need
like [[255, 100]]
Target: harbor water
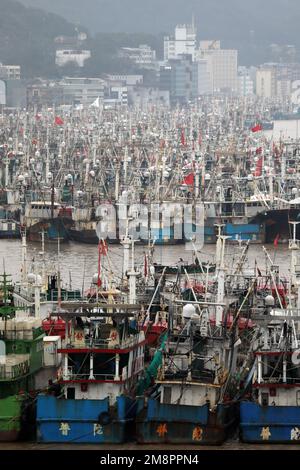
[[78, 262]]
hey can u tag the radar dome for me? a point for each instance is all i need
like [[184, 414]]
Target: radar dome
[[188, 311], [31, 278], [269, 301]]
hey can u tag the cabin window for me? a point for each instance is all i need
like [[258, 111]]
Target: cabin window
[[167, 395], [71, 393], [265, 399]]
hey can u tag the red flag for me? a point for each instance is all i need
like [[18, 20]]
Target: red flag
[[276, 240], [103, 247], [58, 121], [189, 180], [258, 169], [182, 139], [257, 128]]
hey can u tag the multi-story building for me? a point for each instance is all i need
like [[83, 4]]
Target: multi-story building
[[83, 91], [245, 82], [115, 93], [75, 56], [10, 72], [183, 42], [143, 55], [283, 88], [70, 49], [129, 80], [42, 93], [144, 97], [266, 82], [180, 78], [204, 77], [222, 66]]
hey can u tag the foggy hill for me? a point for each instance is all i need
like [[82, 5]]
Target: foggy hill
[[249, 26], [271, 20], [27, 37]]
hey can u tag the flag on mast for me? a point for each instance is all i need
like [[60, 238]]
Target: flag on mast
[[257, 128], [189, 179], [58, 121], [276, 240]]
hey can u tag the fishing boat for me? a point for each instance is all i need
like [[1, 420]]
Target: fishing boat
[[271, 413], [192, 401], [23, 369], [103, 356], [189, 407], [50, 218]]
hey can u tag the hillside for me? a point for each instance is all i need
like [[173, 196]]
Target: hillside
[[227, 19], [27, 38], [27, 35], [250, 26]]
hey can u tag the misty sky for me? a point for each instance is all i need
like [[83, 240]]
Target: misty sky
[[228, 19]]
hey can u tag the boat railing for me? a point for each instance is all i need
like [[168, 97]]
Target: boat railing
[[101, 343], [279, 380], [66, 296], [13, 372], [238, 213], [71, 375]]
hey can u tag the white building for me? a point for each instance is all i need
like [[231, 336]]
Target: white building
[[222, 66], [266, 82], [82, 90], [66, 56], [183, 42], [129, 80], [115, 94], [10, 72], [204, 77], [142, 55], [245, 82], [283, 88], [146, 97]]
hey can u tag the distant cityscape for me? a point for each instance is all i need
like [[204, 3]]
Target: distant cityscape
[[189, 68]]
